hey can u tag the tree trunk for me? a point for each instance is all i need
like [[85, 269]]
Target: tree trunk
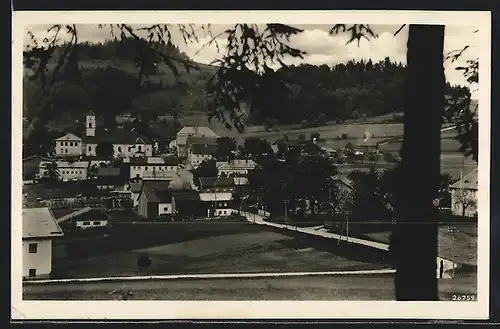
[[414, 240]]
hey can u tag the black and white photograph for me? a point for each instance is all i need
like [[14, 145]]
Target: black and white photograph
[[271, 157]]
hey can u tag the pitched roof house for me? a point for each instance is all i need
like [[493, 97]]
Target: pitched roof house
[[155, 199], [39, 228]]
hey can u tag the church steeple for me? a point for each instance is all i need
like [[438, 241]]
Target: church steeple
[[90, 124]]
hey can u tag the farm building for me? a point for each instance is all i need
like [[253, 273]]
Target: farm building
[[39, 229], [186, 132], [82, 219], [155, 200]]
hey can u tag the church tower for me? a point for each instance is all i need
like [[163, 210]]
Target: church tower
[[90, 124]]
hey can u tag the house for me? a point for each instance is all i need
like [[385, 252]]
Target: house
[[218, 204], [153, 168], [67, 170], [126, 143], [155, 200], [187, 204], [186, 132], [464, 195], [31, 166], [83, 219], [68, 145], [236, 168], [201, 149], [39, 229]]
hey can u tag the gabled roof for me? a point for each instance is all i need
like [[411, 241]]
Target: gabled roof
[[157, 191], [199, 131], [40, 223], [186, 195], [69, 137], [468, 181]]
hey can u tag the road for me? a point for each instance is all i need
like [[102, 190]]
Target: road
[[319, 231], [355, 287]]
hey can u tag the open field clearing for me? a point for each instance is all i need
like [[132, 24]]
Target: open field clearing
[[245, 252], [357, 287]]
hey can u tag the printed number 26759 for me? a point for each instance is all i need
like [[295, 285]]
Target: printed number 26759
[[466, 297]]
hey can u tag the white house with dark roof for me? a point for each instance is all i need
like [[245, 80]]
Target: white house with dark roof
[[68, 145], [201, 149], [153, 168], [464, 195], [236, 167], [182, 138], [39, 229]]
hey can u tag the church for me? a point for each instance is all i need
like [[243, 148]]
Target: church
[[126, 143]]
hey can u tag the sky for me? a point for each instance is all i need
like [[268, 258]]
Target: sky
[[315, 40]]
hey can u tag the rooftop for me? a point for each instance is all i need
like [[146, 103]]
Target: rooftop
[[69, 137], [207, 182], [236, 164], [468, 181], [211, 140], [186, 195], [40, 223], [108, 172], [66, 164], [225, 196], [116, 136], [199, 131], [157, 191], [205, 149]]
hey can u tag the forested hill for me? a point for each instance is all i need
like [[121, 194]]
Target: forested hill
[[108, 84]]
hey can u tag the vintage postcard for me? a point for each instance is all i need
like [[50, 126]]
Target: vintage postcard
[[250, 165]]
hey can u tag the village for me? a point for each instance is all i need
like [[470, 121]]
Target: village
[[108, 181]]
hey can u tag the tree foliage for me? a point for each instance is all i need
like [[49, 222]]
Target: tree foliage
[[206, 169], [105, 149]]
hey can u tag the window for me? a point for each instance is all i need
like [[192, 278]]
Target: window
[[97, 222], [32, 272], [90, 125], [61, 151], [33, 248], [90, 148], [139, 147], [65, 150], [70, 143], [119, 148], [86, 223], [165, 209], [146, 168]]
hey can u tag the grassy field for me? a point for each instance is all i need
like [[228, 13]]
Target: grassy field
[[245, 252], [463, 245], [358, 287]]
